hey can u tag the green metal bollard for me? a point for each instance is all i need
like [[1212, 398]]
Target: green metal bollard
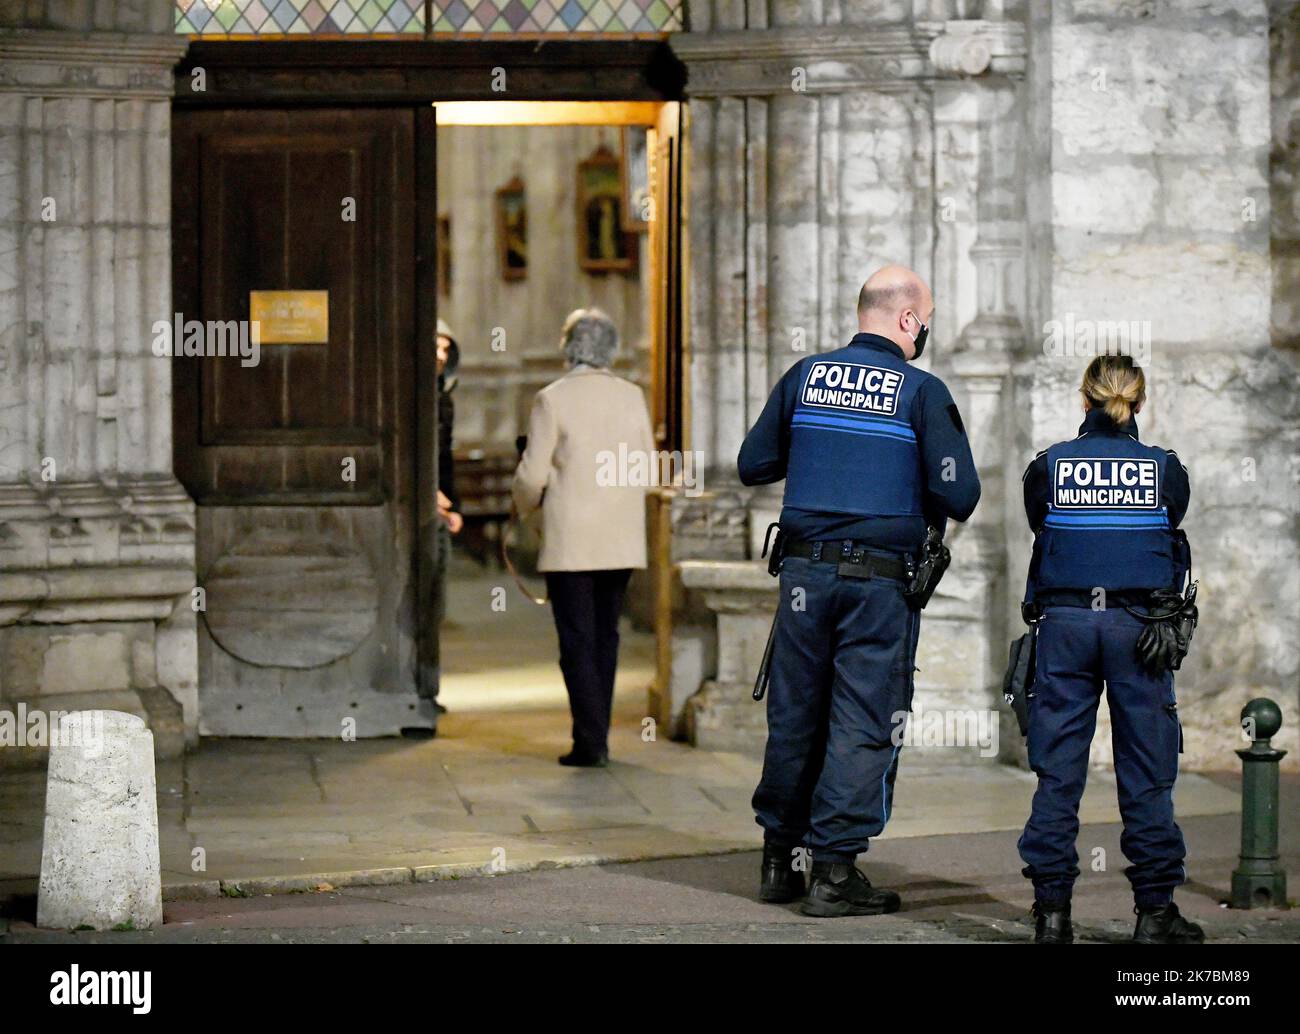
[[1259, 881]]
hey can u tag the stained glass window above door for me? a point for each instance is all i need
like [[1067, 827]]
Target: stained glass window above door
[[245, 18]]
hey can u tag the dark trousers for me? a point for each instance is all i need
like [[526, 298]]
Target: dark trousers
[[1078, 650], [436, 545], [587, 605], [840, 689]]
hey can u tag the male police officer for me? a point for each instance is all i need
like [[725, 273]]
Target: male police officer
[[872, 451]]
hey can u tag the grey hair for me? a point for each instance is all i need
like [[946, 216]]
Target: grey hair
[[589, 336]]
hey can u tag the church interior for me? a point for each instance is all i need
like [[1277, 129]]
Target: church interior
[[536, 218]]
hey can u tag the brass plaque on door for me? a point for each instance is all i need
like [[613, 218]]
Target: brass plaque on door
[[290, 317]]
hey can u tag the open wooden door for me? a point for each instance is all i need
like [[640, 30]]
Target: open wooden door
[[307, 465], [668, 365]]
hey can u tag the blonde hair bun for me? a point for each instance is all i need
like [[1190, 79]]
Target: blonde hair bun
[[1112, 383]]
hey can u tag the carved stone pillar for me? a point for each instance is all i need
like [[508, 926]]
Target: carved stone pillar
[[96, 534], [814, 148], [981, 366]]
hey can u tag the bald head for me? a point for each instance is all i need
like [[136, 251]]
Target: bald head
[[893, 303]]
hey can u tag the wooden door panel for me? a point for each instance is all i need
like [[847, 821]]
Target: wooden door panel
[[311, 575], [268, 213], [307, 186]]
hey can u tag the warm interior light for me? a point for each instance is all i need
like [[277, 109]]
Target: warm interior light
[[547, 113]]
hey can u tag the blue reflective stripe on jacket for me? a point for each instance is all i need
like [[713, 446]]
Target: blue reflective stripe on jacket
[[843, 397], [867, 432]]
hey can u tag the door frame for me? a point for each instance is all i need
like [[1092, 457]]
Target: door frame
[[279, 73], [416, 74]]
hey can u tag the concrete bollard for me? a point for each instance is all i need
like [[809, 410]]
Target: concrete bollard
[[99, 863]]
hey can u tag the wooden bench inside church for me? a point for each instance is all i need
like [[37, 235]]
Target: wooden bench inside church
[[483, 482]]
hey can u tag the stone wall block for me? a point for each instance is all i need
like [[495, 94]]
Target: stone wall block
[[758, 253], [831, 278], [133, 429], [176, 657], [877, 184], [1117, 12], [155, 144], [1104, 199], [158, 371], [11, 147], [1206, 196], [867, 12], [726, 285], [793, 234], [70, 660], [701, 228], [66, 125], [1166, 90], [960, 196], [1165, 284]]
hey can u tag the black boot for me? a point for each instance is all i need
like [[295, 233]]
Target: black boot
[[781, 883], [1165, 925], [839, 889], [579, 759], [1053, 924]]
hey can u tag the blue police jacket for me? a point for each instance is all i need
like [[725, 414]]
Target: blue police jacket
[[871, 448], [1104, 507]]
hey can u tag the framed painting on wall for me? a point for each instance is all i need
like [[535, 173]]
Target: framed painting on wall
[[512, 230], [604, 246]]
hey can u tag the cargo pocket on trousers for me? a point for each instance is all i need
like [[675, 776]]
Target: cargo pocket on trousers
[[1173, 747]]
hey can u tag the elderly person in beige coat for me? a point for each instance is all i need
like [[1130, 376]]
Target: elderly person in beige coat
[[585, 431]]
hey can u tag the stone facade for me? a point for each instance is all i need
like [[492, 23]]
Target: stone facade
[[1098, 163], [96, 535], [1106, 166], [1284, 168], [1155, 212]]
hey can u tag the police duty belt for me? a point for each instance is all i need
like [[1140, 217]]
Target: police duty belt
[[851, 559]]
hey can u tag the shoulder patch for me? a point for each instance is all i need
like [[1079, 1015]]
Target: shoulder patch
[[955, 416]]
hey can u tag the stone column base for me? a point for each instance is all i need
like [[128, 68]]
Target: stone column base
[[723, 715], [96, 609]]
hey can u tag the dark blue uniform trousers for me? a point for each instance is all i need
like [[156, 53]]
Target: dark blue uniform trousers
[[1078, 649], [841, 686]]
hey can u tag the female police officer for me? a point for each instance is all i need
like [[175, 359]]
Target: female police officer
[[1103, 508]]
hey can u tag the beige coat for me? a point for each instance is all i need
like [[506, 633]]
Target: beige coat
[[583, 433]]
